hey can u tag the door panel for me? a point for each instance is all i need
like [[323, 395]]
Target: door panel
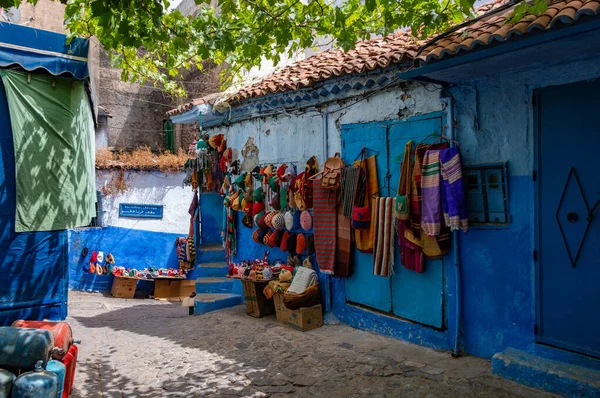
[[569, 187], [362, 287], [418, 297]]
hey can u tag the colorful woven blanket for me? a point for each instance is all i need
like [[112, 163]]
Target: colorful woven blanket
[[431, 221]]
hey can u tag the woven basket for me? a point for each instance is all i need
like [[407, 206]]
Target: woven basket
[[308, 298]]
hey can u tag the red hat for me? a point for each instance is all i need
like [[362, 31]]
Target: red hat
[[300, 244], [257, 207], [281, 171], [284, 239]]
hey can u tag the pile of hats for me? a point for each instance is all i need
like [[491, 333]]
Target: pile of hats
[[287, 231], [146, 273], [99, 264], [255, 270]]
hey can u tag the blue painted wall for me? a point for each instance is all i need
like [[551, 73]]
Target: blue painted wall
[[33, 272], [131, 248]]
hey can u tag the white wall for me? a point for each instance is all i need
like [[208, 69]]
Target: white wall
[[296, 138], [149, 188]]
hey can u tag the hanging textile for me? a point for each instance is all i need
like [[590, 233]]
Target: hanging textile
[[411, 255], [433, 247], [343, 249], [384, 222], [230, 234], [169, 141], [325, 225], [364, 238], [53, 137], [348, 189], [431, 192], [453, 199]]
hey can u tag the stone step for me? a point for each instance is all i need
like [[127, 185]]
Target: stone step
[[214, 285], [207, 302], [210, 254], [212, 270], [550, 369]]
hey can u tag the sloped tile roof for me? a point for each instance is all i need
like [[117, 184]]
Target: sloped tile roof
[[497, 28], [207, 99], [401, 47]]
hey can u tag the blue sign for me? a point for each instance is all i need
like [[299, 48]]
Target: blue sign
[[134, 210]]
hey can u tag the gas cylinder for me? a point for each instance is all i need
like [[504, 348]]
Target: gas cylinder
[[61, 332], [22, 348], [70, 361], [6, 382], [60, 370], [39, 383]]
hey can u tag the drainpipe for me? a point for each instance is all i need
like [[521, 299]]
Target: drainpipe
[[325, 130], [449, 104]]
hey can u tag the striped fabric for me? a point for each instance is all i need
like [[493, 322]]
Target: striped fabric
[[453, 197], [431, 222], [325, 228], [383, 253]]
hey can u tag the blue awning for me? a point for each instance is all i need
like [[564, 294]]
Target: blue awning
[[33, 49]]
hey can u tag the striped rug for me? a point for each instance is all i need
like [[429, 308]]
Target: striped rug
[[383, 252], [325, 227]]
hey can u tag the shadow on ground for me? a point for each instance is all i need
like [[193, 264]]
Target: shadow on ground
[[146, 349]]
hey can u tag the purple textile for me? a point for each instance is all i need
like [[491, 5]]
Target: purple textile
[[453, 196]]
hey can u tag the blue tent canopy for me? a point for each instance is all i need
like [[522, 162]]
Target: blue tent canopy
[[33, 49], [191, 116]]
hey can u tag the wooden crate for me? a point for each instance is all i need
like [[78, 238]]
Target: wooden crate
[[257, 305]]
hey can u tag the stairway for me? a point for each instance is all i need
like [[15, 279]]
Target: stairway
[[213, 290]]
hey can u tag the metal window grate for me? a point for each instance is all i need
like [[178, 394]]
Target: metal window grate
[[97, 221], [486, 189]]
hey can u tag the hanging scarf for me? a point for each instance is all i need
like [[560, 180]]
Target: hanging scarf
[[383, 220], [431, 191], [343, 248], [453, 199], [324, 225], [364, 237], [348, 189], [411, 255]]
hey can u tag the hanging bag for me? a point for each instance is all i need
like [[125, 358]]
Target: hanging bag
[[361, 215], [401, 204], [332, 173]]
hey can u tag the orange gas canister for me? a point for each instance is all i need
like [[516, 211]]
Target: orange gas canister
[[70, 362], [61, 331]]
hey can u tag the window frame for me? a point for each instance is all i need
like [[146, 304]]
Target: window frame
[[482, 169]]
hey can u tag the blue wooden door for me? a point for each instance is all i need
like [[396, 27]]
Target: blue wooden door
[[363, 287], [568, 221], [417, 297]]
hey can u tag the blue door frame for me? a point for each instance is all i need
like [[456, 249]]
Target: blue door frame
[[408, 295], [567, 187]]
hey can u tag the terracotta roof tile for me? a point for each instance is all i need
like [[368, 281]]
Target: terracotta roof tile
[[496, 27], [401, 47]]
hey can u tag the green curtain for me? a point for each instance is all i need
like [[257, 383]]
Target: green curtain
[[168, 129], [53, 136]]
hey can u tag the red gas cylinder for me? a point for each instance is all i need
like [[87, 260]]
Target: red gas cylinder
[[70, 362], [61, 331]]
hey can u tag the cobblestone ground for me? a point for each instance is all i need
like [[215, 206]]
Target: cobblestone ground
[[143, 348]]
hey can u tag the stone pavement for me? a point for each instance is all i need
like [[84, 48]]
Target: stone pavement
[[144, 348]]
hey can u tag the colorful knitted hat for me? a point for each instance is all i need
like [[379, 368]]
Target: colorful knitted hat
[[246, 206], [267, 237], [289, 220], [275, 204], [284, 239], [297, 224], [291, 243], [247, 220], [300, 243], [273, 183], [269, 219], [279, 221], [258, 235], [310, 244], [281, 171], [215, 141], [306, 220], [257, 207], [258, 194], [273, 241]]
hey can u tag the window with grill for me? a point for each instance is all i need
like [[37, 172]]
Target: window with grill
[[486, 189]]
